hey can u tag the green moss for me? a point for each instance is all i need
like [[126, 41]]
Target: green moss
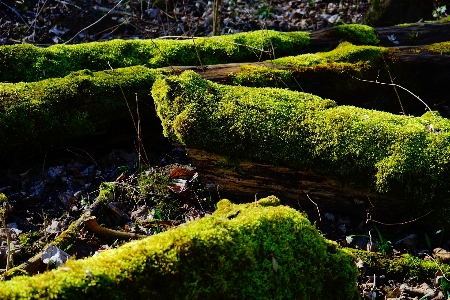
[[442, 48], [58, 61], [263, 76], [388, 153], [82, 103], [345, 53], [405, 266], [223, 256], [359, 61], [357, 34]]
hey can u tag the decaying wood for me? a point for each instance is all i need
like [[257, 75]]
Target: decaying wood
[[293, 187]]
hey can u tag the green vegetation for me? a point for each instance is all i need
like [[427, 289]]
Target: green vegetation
[[360, 61], [406, 266], [60, 60], [49, 111], [442, 48], [259, 250], [400, 155], [346, 53], [357, 34]]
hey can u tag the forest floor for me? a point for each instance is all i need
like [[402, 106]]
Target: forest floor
[[161, 189]]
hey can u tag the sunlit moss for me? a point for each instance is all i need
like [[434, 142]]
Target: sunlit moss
[[357, 34], [29, 63], [259, 250], [442, 48], [400, 155]]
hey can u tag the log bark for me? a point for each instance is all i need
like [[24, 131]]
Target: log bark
[[250, 180], [410, 35]]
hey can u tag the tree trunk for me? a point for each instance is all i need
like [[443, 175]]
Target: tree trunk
[[298, 188]]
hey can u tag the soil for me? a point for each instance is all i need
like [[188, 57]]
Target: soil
[[160, 188]]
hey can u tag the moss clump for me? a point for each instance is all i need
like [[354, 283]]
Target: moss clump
[[310, 69], [59, 60], [345, 53], [401, 155], [47, 112], [263, 76], [405, 266], [229, 255], [442, 48], [357, 34]]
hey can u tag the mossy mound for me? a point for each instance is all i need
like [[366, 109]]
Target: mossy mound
[[357, 34], [59, 60], [47, 112], [29, 63], [249, 251], [404, 156]]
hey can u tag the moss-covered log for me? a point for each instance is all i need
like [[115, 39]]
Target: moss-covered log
[[405, 157], [41, 114], [334, 74], [30, 63], [253, 251]]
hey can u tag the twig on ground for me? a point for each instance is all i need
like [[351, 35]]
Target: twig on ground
[[317, 207], [402, 223], [87, 27]]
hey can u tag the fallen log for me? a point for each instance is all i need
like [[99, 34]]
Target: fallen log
[[29, 63], [423, 70], [243, 180], [393, 158]]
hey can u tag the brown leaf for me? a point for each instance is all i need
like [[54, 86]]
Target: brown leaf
[[181, 173]]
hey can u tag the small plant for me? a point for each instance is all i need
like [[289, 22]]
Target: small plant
[[439, 12], [428, 241], [384, 246]]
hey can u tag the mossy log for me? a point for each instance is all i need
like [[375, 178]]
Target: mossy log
[[259, 250], [43, 114], [338, 75], [29, 63], [399, 156], [414, 34]]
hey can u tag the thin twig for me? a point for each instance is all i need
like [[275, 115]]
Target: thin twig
[[16, 12], [193, 40], [94, 22], [402, 223], [395, 85], [317, 207], [395, 88]]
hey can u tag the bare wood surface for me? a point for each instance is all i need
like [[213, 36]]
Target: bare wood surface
[[293, 187]]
